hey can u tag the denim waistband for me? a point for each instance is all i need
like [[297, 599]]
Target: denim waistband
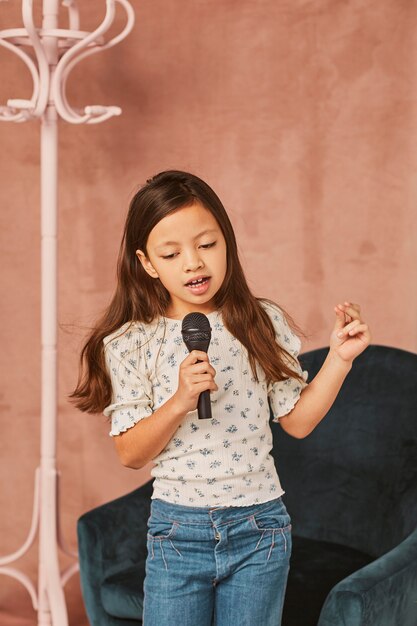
[[206, 514]]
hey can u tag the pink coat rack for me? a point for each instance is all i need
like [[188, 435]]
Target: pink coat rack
[[53, 53]]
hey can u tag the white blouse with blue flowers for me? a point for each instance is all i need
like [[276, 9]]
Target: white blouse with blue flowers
[[221, 461]]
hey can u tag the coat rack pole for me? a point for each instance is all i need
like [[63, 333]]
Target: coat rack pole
[[56, 52]]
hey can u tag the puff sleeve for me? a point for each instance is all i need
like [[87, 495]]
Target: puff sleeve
[[132, 397], [284, 394]]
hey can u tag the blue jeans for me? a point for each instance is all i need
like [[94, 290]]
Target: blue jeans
[[216, 565]]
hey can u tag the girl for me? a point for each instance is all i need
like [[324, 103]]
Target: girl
[[219, 534]]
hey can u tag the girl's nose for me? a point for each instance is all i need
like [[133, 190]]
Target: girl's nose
[[192, 262]]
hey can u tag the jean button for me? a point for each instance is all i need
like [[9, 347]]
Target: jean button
[[218, 536]]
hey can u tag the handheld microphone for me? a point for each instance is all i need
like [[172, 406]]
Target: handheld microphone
[[196, 333]]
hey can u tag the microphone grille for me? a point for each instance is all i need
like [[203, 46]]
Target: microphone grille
[[194, 322]]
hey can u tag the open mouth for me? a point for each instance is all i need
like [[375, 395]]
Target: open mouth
[[199, 286], [197, 282]]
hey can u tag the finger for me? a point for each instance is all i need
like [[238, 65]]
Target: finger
[[202, 378], [199, 355], [351, 305], [199, 387], [349, 311], [344, 331], [355, 306], [343, 318], [202, 368], [348, 308], [203, 387], [360, 328], [351, 330]]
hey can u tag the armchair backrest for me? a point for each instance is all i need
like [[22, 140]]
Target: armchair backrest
[[353, 480]]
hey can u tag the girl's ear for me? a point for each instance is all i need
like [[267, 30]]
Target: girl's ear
[[146, 264]]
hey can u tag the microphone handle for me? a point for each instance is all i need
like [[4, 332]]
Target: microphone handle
[[204, 406]]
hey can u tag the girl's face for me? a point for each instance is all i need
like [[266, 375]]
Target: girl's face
[[179, 251]]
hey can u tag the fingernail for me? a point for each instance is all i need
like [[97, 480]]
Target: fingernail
[[340, 334]]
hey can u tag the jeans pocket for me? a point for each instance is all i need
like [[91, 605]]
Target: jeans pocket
[[160, 533], [275, 518], [159, 528], [273, 528]]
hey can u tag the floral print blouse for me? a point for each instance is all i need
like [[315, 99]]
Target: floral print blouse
[[221, 461]]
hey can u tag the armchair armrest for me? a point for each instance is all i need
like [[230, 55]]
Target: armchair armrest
[[383, 592], [111, 538]]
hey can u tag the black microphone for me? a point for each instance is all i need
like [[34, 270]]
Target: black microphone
[[196, 333]]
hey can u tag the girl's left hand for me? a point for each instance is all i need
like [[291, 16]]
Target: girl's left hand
[[355, 333]]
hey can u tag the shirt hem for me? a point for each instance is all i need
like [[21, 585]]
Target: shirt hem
[[217, 503]]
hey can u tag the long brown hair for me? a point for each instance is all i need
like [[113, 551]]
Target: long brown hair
[[139, 297]]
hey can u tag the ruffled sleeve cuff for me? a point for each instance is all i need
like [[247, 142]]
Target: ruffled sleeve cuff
[[124, 415], [132, 395], [283, 395]]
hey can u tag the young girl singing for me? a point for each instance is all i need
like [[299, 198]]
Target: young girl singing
[[219, 534]]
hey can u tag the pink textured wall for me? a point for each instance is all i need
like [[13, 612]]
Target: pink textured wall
[[301, 115]]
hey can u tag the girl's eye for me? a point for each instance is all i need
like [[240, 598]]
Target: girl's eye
[[206, 245]]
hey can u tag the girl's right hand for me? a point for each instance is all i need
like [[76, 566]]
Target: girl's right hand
[[194, 377]]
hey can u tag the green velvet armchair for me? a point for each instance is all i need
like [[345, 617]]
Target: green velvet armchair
[[351, 491]]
